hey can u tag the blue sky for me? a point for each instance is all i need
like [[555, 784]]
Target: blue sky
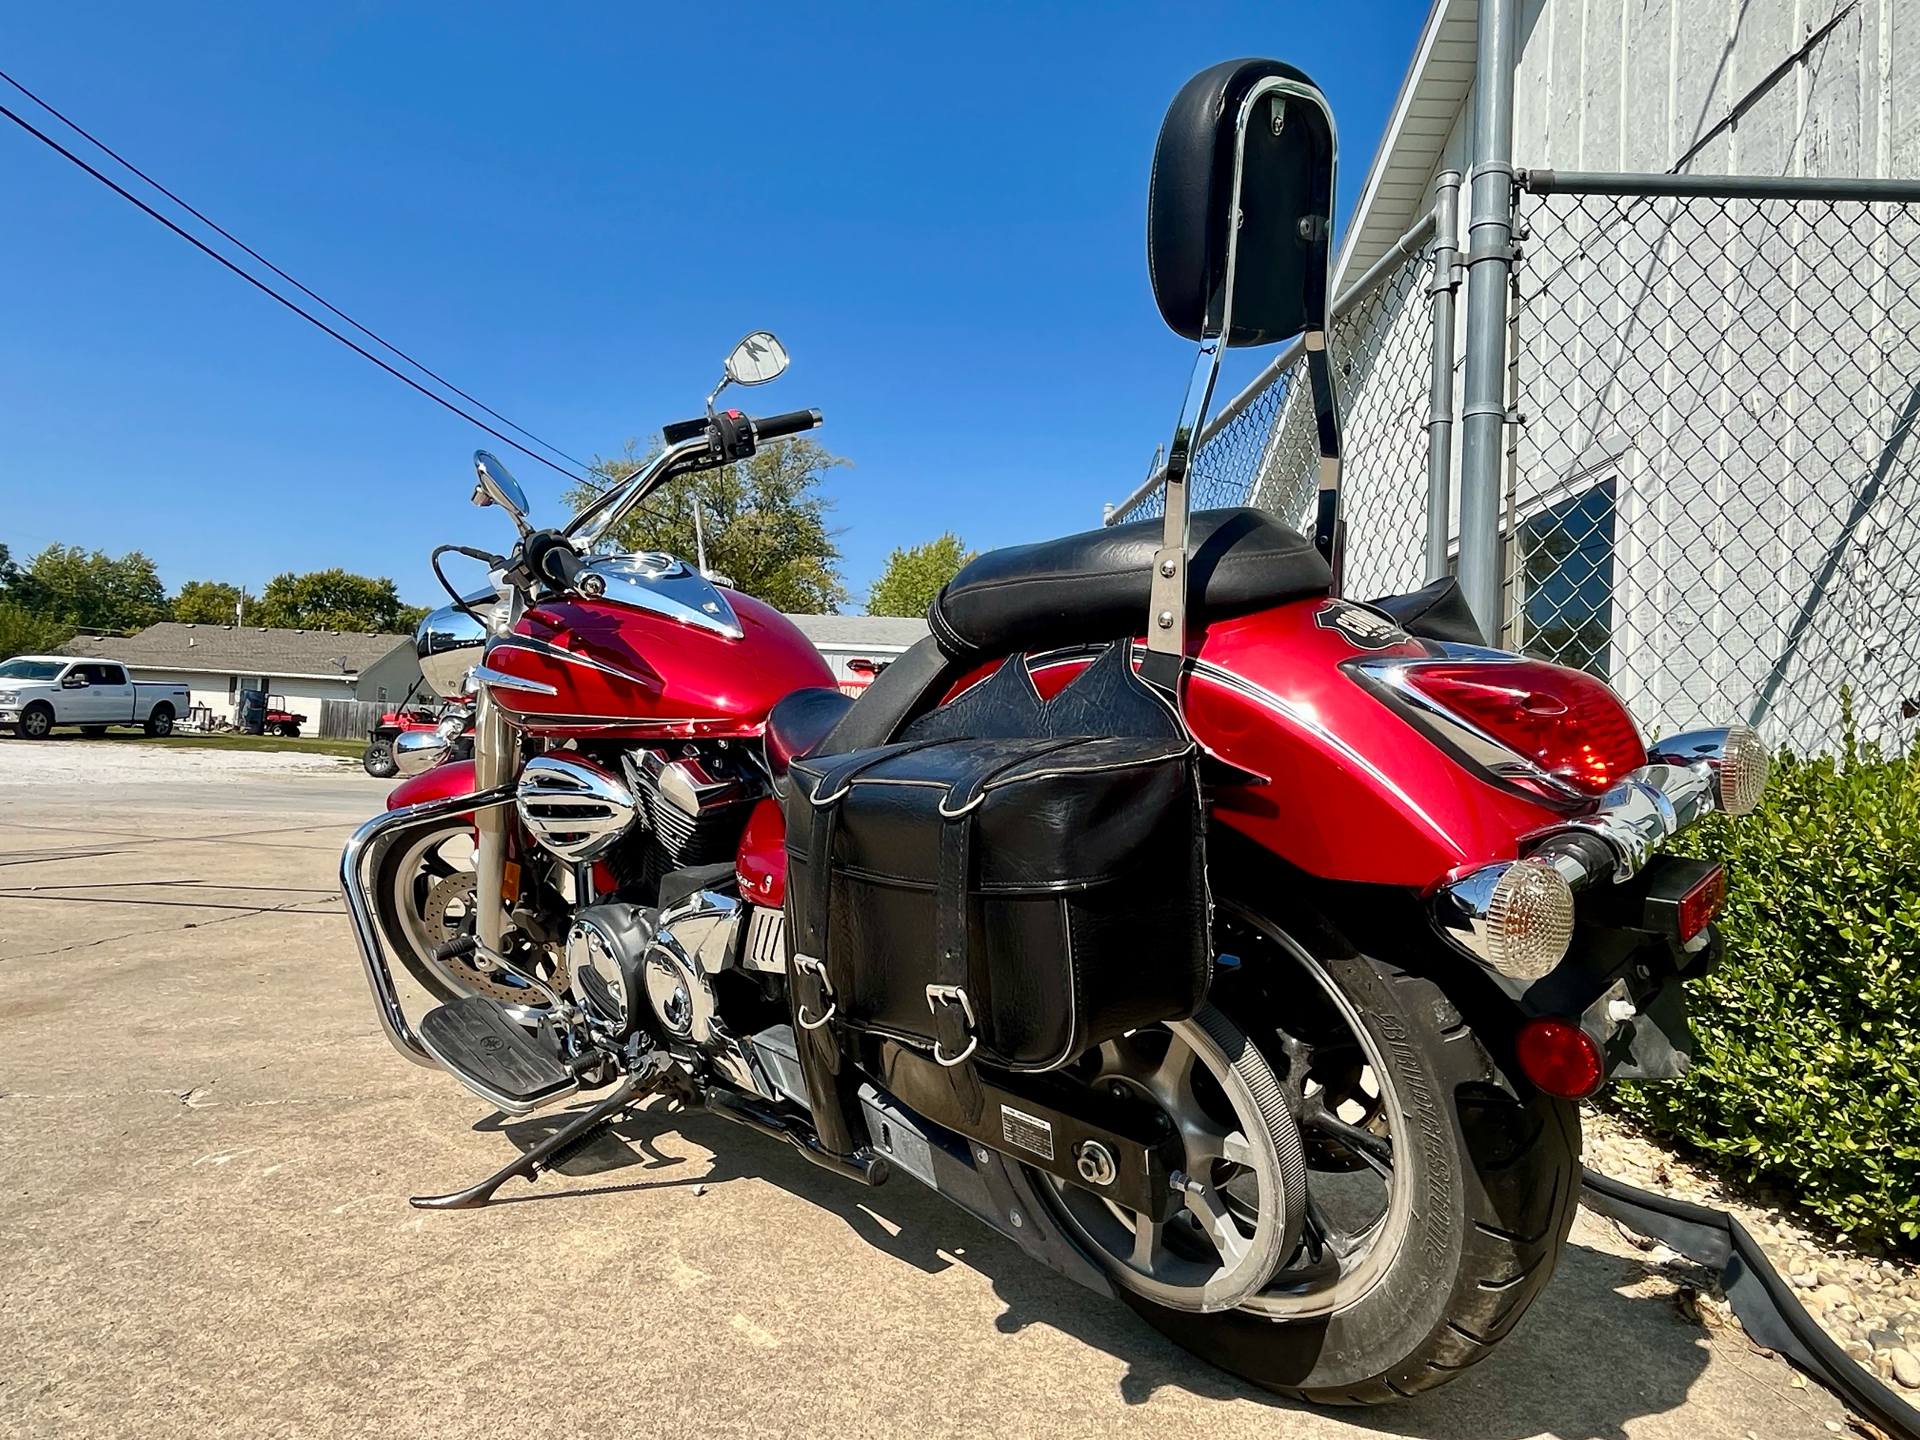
[[572, 211]]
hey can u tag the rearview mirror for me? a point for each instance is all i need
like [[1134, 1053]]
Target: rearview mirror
[[498, 487], [758, 358]]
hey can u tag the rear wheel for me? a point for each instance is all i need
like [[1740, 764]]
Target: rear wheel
[[378, 761], [160, 722], [36, 722], [1436, 1202]]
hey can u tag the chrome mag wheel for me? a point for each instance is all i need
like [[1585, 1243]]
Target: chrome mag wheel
[[1358, 1202], [1295, 1207]]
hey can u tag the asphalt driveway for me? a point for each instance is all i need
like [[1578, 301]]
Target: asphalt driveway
[[204, 1224]]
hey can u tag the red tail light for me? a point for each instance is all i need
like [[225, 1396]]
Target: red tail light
[[1565, 721], [1560, 1057], [1696, 908]]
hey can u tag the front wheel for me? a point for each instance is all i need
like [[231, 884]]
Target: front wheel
[[378, 761], [36, 722], [424, 888], [1437, 1198]]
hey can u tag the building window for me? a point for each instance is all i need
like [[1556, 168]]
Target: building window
[[233, 687], [1565, 599]]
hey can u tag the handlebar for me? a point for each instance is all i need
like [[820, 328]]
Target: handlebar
[[691, 445], [554, 559], [794, 422]]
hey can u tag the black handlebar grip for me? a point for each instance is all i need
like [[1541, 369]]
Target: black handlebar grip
[[794, 422], [563, 565]]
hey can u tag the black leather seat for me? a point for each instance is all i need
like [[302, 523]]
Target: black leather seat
[[798, 723], [1094, 586], [1436, 611]]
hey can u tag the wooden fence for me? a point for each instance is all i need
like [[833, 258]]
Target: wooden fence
[[349, 719]]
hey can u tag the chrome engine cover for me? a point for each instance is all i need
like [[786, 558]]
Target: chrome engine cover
[[697, 804], [574, 808], [606, 954], [697, 939]]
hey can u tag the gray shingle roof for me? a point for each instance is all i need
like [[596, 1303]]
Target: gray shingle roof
[[842, 630], [249, 651]]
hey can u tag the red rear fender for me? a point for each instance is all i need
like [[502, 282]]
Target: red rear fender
[[1353, 791]]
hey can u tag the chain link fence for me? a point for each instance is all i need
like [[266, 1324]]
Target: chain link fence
[[1714, 501], [1263, 449], [1713, 494]]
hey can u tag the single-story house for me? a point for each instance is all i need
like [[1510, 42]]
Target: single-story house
[[305, 667], [856, 647]]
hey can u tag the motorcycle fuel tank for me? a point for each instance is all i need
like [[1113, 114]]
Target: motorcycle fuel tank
[[662, 653]]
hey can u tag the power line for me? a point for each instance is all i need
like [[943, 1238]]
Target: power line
[[102, 146], [269, 291]]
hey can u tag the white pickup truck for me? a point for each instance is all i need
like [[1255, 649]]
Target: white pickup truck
[[38, 692]]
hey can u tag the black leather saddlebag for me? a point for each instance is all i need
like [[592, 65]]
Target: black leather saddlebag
[[1016, 899]]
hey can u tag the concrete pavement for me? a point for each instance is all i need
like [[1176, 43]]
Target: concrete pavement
[[203, 1221]]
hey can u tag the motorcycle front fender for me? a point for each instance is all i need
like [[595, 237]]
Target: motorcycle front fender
[[443, 782]]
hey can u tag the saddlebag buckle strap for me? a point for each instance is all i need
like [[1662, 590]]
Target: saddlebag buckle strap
[[812, 991], [953, 1024]]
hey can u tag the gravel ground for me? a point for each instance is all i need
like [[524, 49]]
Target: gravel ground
[[1867, 1302], [57, 762]]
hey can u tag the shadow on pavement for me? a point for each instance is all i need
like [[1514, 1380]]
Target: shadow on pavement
[[1583, 1364]]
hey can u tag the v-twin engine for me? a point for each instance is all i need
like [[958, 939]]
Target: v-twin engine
[[638, 968]]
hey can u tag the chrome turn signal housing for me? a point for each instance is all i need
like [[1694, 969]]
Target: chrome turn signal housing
[[1736, 755], [1516, 917]]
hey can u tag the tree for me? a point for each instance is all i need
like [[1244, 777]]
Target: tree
[[92, 591], [912, 577], [763, 520], [210, 602], [24, 633], [333, 600]]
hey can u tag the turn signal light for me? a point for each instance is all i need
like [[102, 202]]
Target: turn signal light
[[1744, 764], [1517, 916], [1695, 910], [1560, 1058], [1565, 721]]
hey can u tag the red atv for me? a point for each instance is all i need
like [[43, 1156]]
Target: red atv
[[378, 761]]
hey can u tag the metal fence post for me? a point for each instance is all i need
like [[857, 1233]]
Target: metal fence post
[[1483, 415], [1446, 249]]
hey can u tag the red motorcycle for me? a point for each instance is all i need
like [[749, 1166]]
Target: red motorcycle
[[1247, 974]]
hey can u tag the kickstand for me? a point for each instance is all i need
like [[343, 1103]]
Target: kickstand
[[556, 1147]]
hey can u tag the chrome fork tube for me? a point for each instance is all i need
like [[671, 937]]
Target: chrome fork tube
[[495, 749]]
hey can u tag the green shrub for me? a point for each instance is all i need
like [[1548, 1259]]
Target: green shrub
[[1806, 1074]]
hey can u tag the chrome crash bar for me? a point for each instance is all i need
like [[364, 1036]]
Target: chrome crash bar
[[365, 844]]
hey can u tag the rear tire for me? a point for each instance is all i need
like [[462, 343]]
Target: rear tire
[[36, 722], [160, 722], [1491, 1177]]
